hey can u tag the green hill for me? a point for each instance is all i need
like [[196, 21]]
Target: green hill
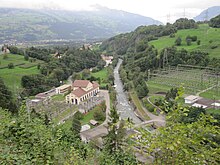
[[12, 77], [209, 37]]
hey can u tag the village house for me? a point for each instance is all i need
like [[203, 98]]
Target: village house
[[107, 59], [82, 90]]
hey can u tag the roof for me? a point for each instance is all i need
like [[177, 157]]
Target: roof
[[41, 95], [64, 86], [79, 92], [95, 132], [95, 84], [191, 97], [80, 83], [93, 122], [199, 105]]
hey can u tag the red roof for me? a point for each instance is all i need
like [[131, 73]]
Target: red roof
[[79, 92], [80, 83], [95, 84]]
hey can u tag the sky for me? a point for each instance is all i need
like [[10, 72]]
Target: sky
[[162, 10]]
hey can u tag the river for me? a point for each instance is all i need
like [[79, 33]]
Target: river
[[123, 107]]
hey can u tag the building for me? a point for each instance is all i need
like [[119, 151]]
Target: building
[[191, 99], [82, 90], [107, 59], [63, 89]]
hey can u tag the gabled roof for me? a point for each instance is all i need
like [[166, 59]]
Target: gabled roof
[[79, 92], [80, 83]]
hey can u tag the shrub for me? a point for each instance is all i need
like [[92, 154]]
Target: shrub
[[178, 41], [78, 115], [11, 66], [214, 46], [198, 42]]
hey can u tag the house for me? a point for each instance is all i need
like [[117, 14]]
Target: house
[[107, 59], [82, 90], [63, 89], [191, 99]]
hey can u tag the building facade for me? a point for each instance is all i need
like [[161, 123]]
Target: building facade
[[82, 90]]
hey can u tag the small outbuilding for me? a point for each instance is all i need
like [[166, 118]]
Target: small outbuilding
[[93, 122], [191, 99], [199, 105]]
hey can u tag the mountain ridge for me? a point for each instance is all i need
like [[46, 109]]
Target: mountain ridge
[[208, 13], [39, 24]]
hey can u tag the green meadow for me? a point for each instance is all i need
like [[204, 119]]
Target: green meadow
[[209, 37], [12, 77]]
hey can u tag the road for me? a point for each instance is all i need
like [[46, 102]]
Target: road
[[107, 103], [123, 107]]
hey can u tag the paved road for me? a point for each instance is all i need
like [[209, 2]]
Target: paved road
[[123, 107], [107, 103]]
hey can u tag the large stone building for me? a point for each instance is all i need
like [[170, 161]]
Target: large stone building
[[82, 90]]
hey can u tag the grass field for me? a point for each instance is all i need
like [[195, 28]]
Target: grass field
[[215, 111], [17, 60], [12, 77], [208, 36], [103, 75]]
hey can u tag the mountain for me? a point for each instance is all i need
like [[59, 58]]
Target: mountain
[[208, 14], [22, 25]]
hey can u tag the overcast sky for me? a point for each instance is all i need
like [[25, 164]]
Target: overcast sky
[[157, 9]]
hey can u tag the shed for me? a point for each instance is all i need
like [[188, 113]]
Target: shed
[[191, 99], [93, 122], [199, 105]]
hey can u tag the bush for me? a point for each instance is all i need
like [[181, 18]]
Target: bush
[[99, 115], [178, 41], [11, 66], [214, 46], [188, 42], [78, 115], [26, 57], [194, 38], [198, 42]]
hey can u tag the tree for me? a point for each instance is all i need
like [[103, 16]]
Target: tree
[[188, 42], [178, 41], [6, 99], [171, 94], [183, 142], [99, 115], [26, 57], [215, 22], [76, 127]]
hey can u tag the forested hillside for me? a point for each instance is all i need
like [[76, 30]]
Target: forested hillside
[[26, 25]]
